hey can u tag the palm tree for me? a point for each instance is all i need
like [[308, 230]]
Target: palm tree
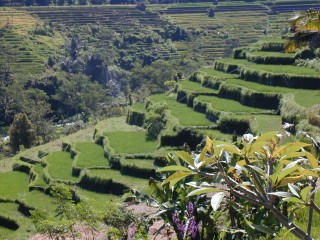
[[306, 28]]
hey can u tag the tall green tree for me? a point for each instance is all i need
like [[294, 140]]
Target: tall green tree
[[21, 132]]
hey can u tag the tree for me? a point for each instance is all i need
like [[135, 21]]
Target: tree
[[155, 119], [21, 132], [306, 28], [261, 183]]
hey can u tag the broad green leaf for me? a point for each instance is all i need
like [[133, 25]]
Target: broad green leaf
[[174, 168], [230, 148], [307, 172], [293, 147], [185, 157], [202, 191], [263, 229], [286, 171], [231, 169], [294, 189], [282, 194], [174, 181], [257, 147], [286, 180], [203, 154], [257, 169], [177, 175], [216, 200], [266, 137], [244, 184], [293, 155], [243, 162], [292, 199], [209, 145], [209, 160], [274, 176], [304, 193], [312, 160]]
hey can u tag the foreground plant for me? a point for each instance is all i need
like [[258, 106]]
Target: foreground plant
[[259, 184]]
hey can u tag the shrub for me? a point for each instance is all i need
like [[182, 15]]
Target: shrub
[[254, 186], [155, 119], [313, 115], [136, 118]]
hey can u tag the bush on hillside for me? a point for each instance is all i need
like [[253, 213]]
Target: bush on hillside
[[313, 115], [155, 119], [21, 132]]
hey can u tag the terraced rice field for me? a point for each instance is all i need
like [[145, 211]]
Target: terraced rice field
[[227, 105], [185, 115], [90, 155], [21, 51], [132, 142], [60, 166]]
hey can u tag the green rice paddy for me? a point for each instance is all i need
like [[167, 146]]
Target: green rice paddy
[[131, 182], [228, 105], [13, 184], [185, 115], [132, 142], [90, 155], [60, 166], [284, 69]]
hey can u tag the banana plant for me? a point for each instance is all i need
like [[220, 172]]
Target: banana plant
[[263, 180]]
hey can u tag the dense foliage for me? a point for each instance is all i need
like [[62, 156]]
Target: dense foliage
[[255, 188]]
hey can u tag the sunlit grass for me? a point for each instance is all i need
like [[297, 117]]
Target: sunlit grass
[[99, 201], [195, 87], [139, 163], [131, 182], [90, 155], [302, 221], [305, 98], [60, 166], [132, 142], [13, 184], [140, 107], [227, 105], [185, 115], [39, 170], [116, 124]]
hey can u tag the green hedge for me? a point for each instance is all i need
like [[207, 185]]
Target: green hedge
[[28, 160], [230, 124], [96, 184], [240, 53], [135, 170], [208, 81], [226, 67], [7, 222], [272, 46], [135, 117], [181, 137], [205, 107], [279, 79], [21, 167], [281, 60], [250, 97]]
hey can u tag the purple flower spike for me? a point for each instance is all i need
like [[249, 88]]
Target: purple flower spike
[[190, 209]]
